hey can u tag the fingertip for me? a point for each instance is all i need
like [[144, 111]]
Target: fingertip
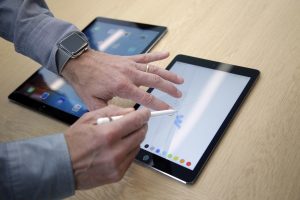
[[161, 55], [166, 53], [179, 94], [163, 106], [180, 79]]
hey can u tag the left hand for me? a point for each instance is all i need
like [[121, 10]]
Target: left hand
[[98, 77]]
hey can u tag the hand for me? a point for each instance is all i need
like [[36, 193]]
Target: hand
[[101, 154], [98, 77]]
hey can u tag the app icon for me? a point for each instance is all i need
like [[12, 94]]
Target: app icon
[[44, 96], [131, 49], [176, 158], [76, 107], [143, 37], [145, 157], [30, 89], [96, 28], [60, 100], [152, 148]]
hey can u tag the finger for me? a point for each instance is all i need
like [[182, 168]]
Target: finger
[[108, 111], [155, 81], [129, 123], [149, 57], [165, 74], [135, 94]]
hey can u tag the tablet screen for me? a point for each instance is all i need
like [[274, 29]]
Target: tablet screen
[[208, 97], [50, 89], [119, 39]]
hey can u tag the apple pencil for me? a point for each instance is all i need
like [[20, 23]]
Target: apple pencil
[[153, 114]]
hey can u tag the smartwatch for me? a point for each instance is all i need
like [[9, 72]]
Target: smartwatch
[[71, 46]]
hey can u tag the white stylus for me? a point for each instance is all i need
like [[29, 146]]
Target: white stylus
[[153, 114]]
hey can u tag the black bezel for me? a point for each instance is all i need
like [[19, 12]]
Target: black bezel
[[179, 172], [39, 106], [65, 117], [162, 30]]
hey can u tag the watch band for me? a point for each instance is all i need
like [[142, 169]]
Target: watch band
[[61, 59]]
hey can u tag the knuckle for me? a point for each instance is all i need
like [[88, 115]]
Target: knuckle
[[147, 99], [122, 86], [156, 79], [136, 65], [144, 57], [154, 69], [128, 69], [109, 137]]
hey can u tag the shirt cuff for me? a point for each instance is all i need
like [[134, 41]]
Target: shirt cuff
[[38, 168], [40, 43]]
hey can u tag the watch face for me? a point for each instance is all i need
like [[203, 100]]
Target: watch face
[[73, 44]]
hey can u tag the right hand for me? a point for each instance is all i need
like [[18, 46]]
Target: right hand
[[101, 154]]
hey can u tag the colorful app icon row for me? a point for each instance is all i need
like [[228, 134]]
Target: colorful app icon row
[[168, 155]]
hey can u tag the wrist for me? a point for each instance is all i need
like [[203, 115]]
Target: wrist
[[73, 67]]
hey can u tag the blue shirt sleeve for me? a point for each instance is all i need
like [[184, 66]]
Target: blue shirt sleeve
[[33, 29], [38, 168]]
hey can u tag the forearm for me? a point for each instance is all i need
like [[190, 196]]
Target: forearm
[[33, 29], [39, 168]]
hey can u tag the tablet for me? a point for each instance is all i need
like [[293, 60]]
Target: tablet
[[120, 37], [180, 145], [50, 94]]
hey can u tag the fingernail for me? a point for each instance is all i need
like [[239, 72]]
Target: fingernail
[[180, 79], [179, 93], [164, 52]]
